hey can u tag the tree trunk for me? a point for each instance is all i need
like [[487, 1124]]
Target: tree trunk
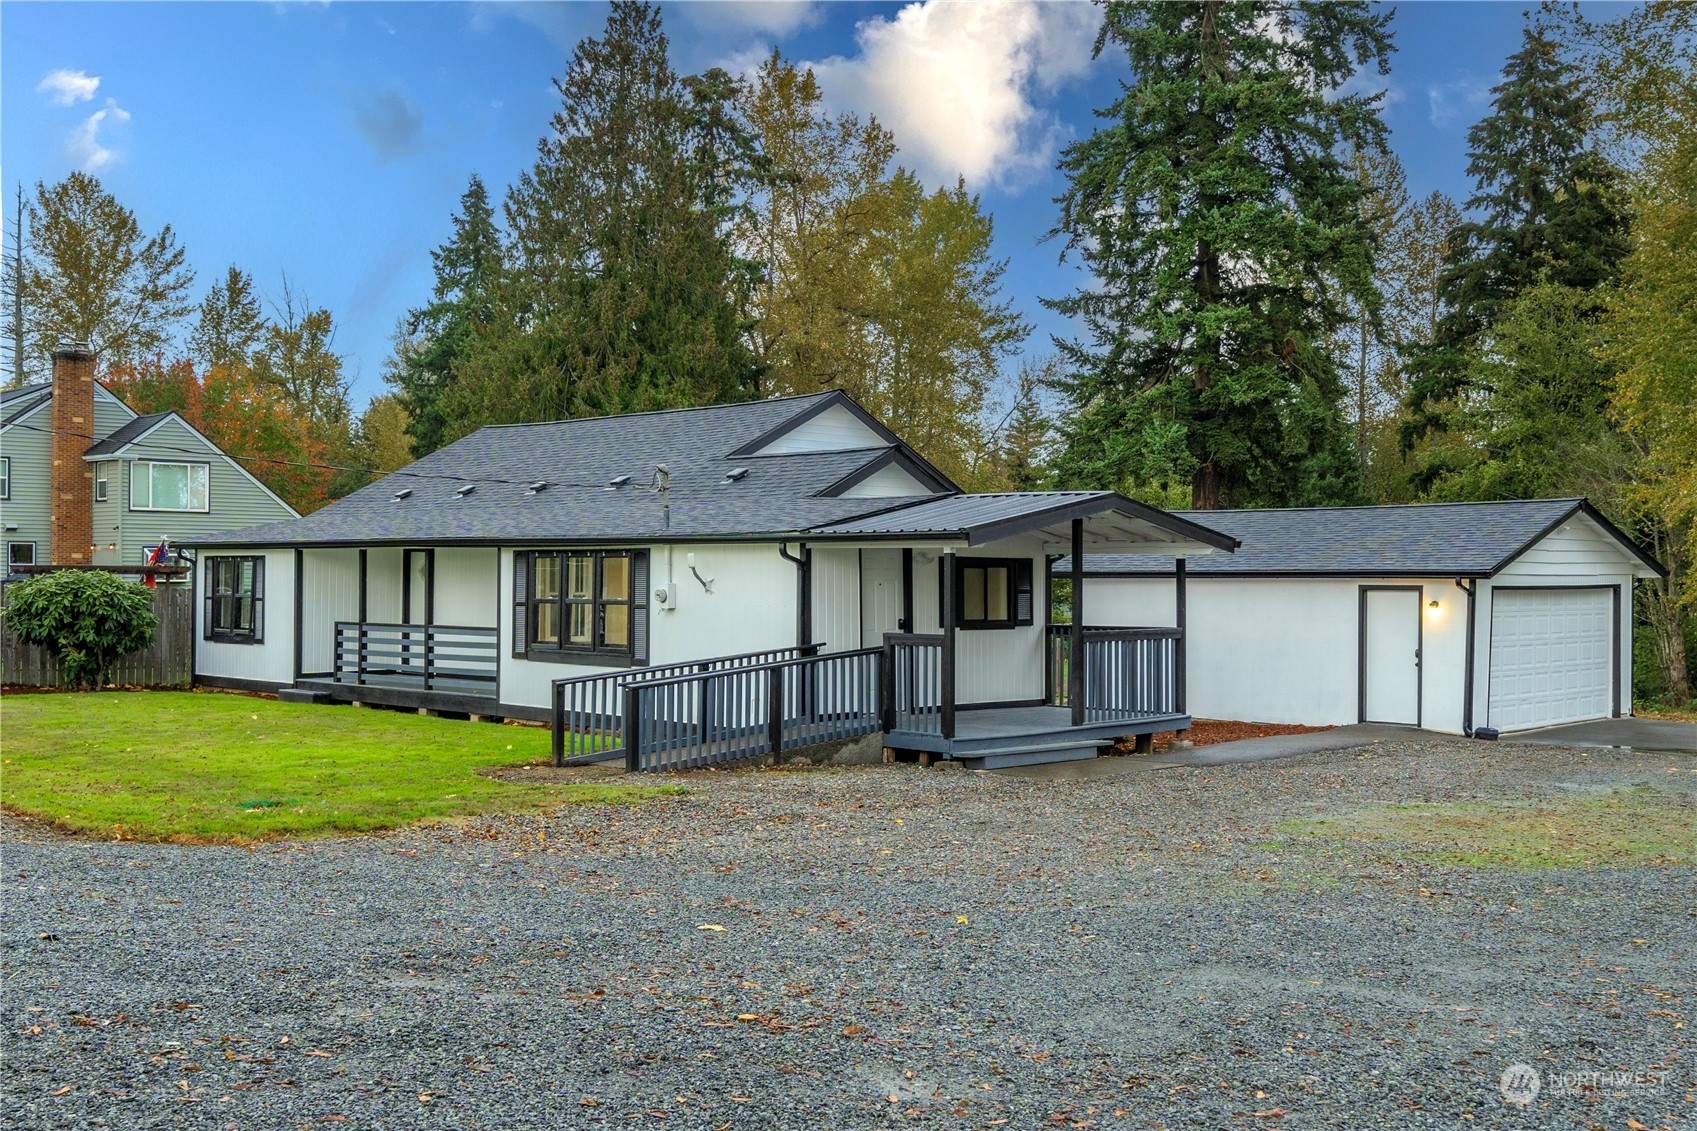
[[1205, 488]]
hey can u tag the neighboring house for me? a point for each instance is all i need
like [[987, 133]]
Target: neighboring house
[[1509, 615], [616, 552], [85, 481]]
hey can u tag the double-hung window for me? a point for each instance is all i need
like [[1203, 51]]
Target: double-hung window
[[235, 599], [582, 605], [5, 477], [992, 592], [102, 480], [156, 485]]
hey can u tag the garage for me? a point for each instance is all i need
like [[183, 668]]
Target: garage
[[1553, 655], [1453, 617]]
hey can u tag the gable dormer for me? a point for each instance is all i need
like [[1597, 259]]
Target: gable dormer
[[832, 423]]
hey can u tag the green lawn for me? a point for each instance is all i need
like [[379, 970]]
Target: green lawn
[[166, 765], [1624, 828]]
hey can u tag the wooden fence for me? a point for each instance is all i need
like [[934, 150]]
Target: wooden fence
[[167, 662]]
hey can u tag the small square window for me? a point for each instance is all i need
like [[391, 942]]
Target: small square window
[[20, 553]]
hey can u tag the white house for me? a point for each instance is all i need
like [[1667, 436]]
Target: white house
[[783, 570], [1508, 615]]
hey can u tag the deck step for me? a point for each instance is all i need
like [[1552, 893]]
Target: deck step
[[1032, 755], [303, 695]]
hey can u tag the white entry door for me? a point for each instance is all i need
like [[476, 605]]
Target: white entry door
[[1390, 656], [1552, 656], [880, 595]]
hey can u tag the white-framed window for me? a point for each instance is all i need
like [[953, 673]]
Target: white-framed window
[[20, 553], [159, 486], [102, 472], [5, 477]]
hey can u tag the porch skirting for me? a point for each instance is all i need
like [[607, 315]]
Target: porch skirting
[[396, 696]]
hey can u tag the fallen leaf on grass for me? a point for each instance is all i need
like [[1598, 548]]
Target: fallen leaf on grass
[[63, 1091]]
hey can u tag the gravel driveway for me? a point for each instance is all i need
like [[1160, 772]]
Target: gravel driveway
[[853, 949]]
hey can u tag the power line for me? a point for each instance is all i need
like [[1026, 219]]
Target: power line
[[444, 476]]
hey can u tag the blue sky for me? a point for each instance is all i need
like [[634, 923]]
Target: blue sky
[[332, 141]]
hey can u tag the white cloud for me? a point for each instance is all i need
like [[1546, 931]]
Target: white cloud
[[84, 145], [1460, 100], [958, 83], [65, 88]]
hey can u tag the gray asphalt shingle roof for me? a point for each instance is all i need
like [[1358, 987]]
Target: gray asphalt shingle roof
[[1439, 539], [577, 458], [118, 440], [20, 399]]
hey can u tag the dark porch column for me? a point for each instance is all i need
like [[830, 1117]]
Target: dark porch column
[[1075, 669], [946, 597], [1178, 645]]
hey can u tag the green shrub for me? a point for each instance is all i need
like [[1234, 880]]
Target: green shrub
[[86, 619]]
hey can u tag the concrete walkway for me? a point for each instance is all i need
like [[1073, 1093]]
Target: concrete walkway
[[1658, 735], [1225, 753]]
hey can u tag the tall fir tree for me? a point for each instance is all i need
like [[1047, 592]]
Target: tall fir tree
[[1548, 208], [1217, 211], [623, 291], [436, 338]]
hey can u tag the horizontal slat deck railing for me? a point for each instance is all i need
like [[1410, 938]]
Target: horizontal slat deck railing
[[588, 711], [912, 672], [429, 657], [710, 718], [167, 662], [1128, 672]]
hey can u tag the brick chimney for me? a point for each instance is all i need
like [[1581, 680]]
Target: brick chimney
[[72, 480]]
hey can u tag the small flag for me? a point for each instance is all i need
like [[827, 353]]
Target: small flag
[[157, 556]]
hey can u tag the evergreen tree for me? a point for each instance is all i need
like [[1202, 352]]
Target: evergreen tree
[[1223, 226], [231, 325], [1548, 208], [622, 291], [90, 275], [439, 336]]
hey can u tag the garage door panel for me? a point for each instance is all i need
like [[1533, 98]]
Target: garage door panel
[[1552, 656]]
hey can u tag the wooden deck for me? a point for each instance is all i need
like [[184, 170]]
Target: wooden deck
[[404, 691], [1020, 736]]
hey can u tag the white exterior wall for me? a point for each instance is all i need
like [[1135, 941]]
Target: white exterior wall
[[834, 430], [887, 483], [992, 665], [1287, 650], [466, 593], [752, 608], [329, 593], [836, 599], [272, 661]]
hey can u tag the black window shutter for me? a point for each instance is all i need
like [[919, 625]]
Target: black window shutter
[[1022, 604], [521, 602], [639, 597], [259, 600], [211, 582]]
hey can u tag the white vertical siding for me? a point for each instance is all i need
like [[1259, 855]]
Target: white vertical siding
[[465, 589], [998, 665], [383, 577], [887, 483], [273, 660], [329, 593], [836, 599]]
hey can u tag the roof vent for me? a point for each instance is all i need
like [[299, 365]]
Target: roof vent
[[466, 490], [402, 493], [735, 474], [533, 488], [618, 481]]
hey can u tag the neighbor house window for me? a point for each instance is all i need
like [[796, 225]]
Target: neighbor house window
[[5, 477], [235, 599], [992, 592], [20, 553], [102, 472], [588, 605], [157, 486]]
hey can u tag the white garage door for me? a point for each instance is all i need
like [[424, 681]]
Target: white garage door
[[1552, 651]]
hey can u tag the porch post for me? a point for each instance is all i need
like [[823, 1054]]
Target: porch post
[[946, 597], [300, 589], [1075, 672], [1178, 645]]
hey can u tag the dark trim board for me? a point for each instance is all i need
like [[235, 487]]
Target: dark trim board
[[1104, 734], [1419, 592], [1615, 648], [430, 700], [231, 683], [1000, 704]]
